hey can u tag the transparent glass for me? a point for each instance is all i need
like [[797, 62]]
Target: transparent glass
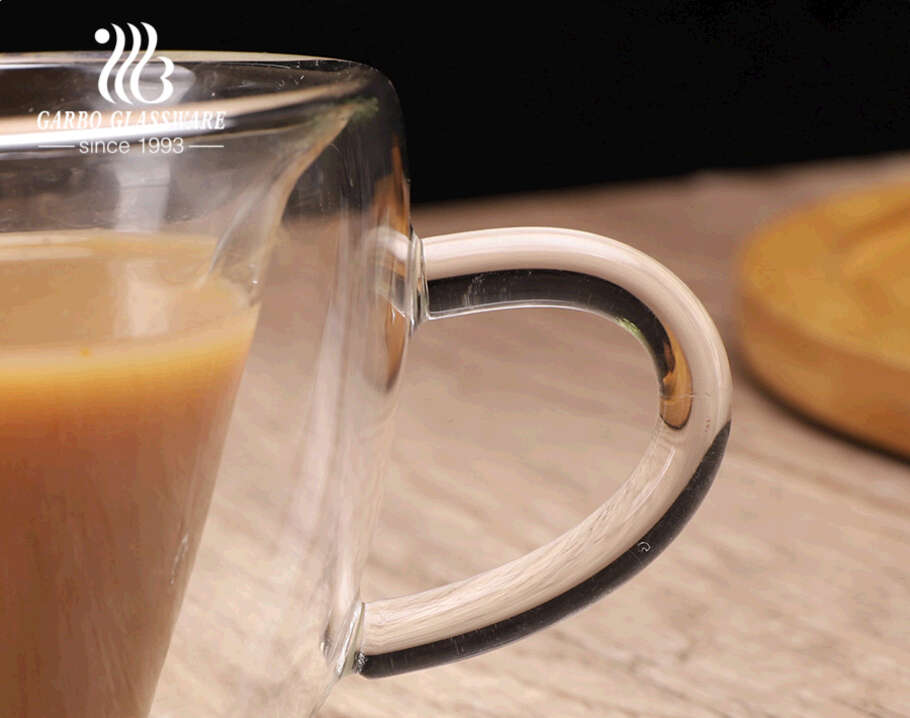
[[285, 181]]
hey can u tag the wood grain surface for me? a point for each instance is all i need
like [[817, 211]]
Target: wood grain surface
[[789, 592]]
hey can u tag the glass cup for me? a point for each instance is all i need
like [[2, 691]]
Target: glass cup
[[142, 241]]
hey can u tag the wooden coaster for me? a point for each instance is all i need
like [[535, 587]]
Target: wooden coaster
[[824, 313]]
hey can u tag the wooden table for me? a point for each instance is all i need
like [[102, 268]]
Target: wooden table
[[789, 592]]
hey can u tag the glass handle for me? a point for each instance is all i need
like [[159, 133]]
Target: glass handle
[[535, 267]]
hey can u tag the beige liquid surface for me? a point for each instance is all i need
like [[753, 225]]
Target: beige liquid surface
[[117, 377]]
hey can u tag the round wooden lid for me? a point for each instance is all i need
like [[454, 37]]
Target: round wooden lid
[[824, 313]]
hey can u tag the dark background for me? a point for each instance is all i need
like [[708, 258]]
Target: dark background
[[499, 98]]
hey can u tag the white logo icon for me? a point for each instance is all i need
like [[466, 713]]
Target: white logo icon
[[103, 35]]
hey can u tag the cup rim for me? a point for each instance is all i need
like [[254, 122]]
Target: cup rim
[[76, 56]]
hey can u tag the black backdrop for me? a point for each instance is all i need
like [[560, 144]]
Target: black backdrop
[[504, 99]]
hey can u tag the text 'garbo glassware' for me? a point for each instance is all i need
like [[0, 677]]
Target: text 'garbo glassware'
[[264, 191]]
